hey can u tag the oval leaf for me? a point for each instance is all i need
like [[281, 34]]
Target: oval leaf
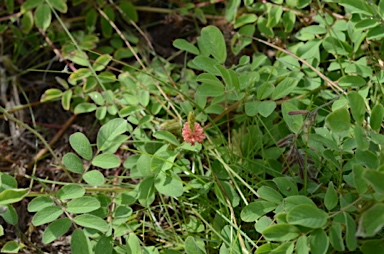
[[106, 161], [43, 16], [94, 178], [91, 221], [12, 196], [281, 232], [70, 191], [213, 40], [46, 215], [339, 120], [73, 163], [307, 216], [80, 143], [83, 205], [56, 229], [80, 243], [253, 211]]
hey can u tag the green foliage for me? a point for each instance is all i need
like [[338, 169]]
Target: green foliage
[[293, 158]]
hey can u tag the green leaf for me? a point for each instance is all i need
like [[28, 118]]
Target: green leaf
[[339, 120], [11, 247], [376, 33], [31, 4], [375, 179], [146, 192], [307, 216], [39, 203], [371, 246], [284, 88], [83, 205], [168, 183], [286, 247], [80, 243], [229, 76], [294, 122], [27, 22], [270, 194], [293, 201], [109, 131], [336, 46], [351, 81], [263, 28], [66, 99], [92, 221], [244, 19], [242, 38], [106, 161], [366, 24], [289, 20], [46, 215], [267, 248], [10, 215], [213, 40], [335, 237], [274, 16], [205, 63], [134, 243], [70, 191], [266, 108], [286, 186], [210, 89], [232, 9], [51, 94], [10, 196], [191, 247], [251, 108], [78, 57], [263, 223], [101, 62], [265, 90], [106, 27], [80, 143], [97, 98], [302, 245], [186, 46], [7, 182], [371, 221], [361, 138], [94, 178], [318, 241], [129, 11], [144, 165], [281, 232], [350, 235], [59, 5], [43, 16], [377, 115], [56, 229], [367, 158], [330, 199], [381, 12], [253, 211], [358, 171], [357, 105], [357, 6], [73, 163], [303, 3], [104, 245], [230, 193], [167, 136], [129, 110], [84, 107]]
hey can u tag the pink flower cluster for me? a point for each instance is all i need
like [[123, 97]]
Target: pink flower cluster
[[195, 135]]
